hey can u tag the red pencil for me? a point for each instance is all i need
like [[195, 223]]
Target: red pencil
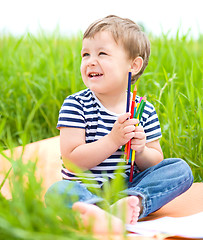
[[131, 170]]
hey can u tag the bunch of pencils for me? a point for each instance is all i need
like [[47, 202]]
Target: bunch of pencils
[[136, 112]]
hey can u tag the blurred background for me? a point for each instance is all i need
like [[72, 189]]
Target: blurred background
[[19, 16]]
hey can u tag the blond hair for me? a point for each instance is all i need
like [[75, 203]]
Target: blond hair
[[128, 33]]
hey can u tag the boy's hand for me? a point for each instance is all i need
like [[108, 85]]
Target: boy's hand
[[139, 141], [123, 129]]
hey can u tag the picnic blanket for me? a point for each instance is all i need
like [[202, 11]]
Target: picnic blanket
[[47, 152]]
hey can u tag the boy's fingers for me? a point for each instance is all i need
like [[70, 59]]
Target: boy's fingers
[[139, 129], [130, 128], [122, 118]]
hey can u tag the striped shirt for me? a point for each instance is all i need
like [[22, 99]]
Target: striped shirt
[[84, 110]]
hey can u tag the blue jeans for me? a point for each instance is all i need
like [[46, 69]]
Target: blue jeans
[[156, 186]]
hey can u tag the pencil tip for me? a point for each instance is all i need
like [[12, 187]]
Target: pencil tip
[[134, 92], [144, 98]]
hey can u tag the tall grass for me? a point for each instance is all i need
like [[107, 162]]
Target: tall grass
[[26, 217], [38, 72], [174, 83]]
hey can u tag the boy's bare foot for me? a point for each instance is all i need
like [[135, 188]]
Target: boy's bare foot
[[98, 220], [127, 209]]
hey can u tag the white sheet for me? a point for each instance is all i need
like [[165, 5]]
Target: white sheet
[[190, 226]]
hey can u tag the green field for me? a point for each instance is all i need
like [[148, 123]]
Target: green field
[[38, 72]]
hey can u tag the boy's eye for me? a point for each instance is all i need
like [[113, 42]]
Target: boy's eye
[[102, 53], [85, 54]]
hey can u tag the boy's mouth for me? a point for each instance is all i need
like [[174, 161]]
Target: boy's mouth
[[91, 75]]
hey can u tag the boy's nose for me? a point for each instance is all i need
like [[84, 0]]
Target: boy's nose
[[92, 61]]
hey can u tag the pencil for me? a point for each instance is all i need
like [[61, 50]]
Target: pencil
[[128, 91], [139, 109], [131, 116], [134, 93], [132, 166], [128, 105], [137, 115], [142, 109]]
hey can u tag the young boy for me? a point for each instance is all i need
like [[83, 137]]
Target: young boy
[[94, 126]]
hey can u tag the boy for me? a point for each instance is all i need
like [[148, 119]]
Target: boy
[[94, 126]]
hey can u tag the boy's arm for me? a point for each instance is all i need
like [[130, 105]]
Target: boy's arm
[[84, 155], [87, 155], [147, 154], [151, 155]]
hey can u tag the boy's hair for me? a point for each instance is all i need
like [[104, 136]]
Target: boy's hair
[[128, 33]]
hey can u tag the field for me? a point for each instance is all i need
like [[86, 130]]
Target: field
[[38, 72]]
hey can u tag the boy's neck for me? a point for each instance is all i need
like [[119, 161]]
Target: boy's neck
[[114, 103]]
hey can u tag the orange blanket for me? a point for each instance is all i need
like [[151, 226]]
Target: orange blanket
[[48, 154]]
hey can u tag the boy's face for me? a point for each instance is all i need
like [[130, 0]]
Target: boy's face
[[105, 64]]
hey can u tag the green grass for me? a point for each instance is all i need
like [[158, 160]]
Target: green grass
[[38, 72], [26, 217], [173, 81]]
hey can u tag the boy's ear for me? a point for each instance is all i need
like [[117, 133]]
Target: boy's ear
[[136, 65]]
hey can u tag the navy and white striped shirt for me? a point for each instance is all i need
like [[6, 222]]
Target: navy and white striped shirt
[[84, 110]]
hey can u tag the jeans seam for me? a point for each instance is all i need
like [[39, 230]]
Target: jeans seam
[[165, 192], [147, 204], [171, 189]]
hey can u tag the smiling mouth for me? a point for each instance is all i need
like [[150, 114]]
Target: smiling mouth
[[91, 75]]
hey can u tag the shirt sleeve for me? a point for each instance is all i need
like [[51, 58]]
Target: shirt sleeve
[[71, 114], [150, 123]]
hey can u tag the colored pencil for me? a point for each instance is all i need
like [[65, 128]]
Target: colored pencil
[[137, 115], [128, 91], [136, 112], [131, 116], [128, 105], [139, 109], [142, 110], [132, 166]]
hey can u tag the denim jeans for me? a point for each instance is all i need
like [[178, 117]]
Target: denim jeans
[[156, 186]]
